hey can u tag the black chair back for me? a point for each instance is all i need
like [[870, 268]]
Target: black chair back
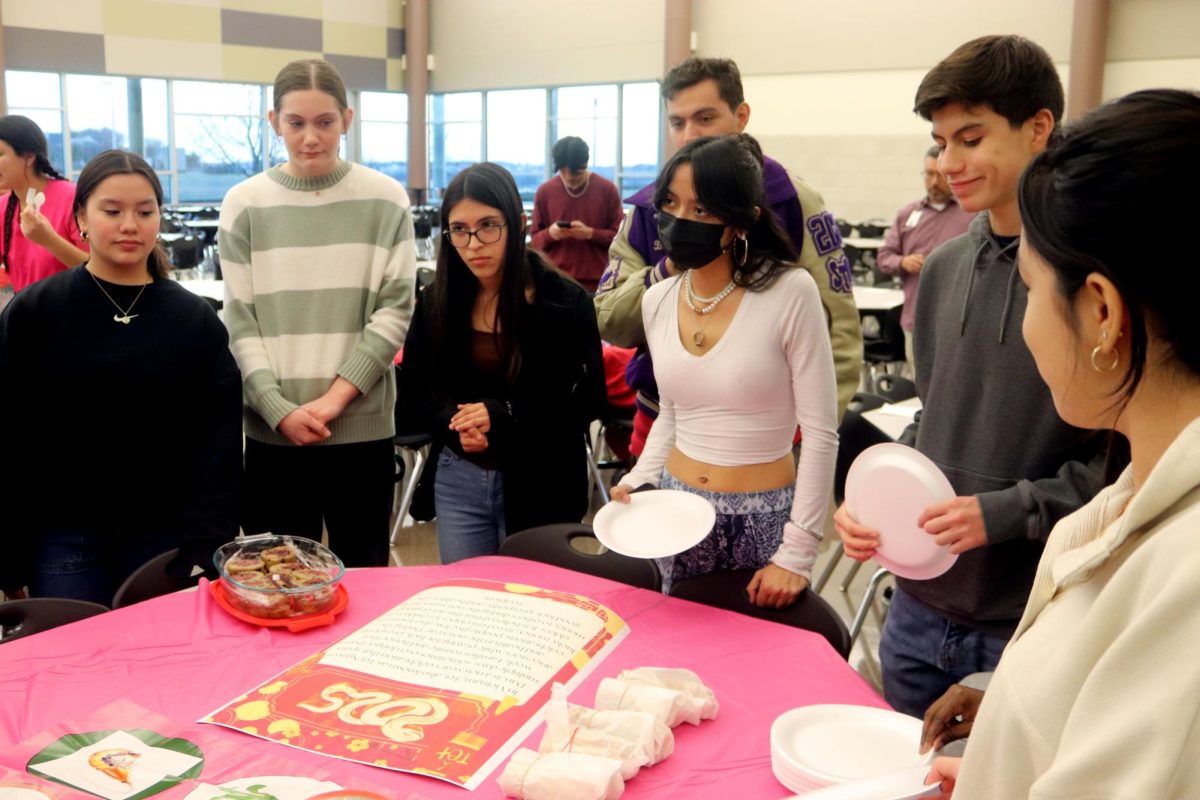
[[728, 590], [889, 347], [20, 618], [186, 253], [855, 434], [893, 388], [152, 579], [865, 401], [559, 545]]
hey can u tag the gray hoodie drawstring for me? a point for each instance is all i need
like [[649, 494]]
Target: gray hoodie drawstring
[[1012, 280], [962, 319], [1008, 296]]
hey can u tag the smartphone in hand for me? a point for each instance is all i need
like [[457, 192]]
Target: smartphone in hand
[[563, 223]]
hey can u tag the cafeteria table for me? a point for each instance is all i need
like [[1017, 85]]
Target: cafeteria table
[[182, 656], [873, 299], [893, 418], [864, 243]]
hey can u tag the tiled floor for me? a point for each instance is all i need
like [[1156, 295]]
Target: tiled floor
[[417, 544]]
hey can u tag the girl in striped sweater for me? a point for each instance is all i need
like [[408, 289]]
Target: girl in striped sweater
[[319, 268]]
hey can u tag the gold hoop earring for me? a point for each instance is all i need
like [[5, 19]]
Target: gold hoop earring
[[1116, 360], [83, 235]]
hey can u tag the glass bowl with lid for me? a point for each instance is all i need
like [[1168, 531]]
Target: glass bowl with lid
[[278, 577]]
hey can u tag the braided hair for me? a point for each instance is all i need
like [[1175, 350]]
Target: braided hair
[[26, 139]]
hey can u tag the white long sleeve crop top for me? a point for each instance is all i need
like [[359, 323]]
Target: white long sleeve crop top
[[739, 403]]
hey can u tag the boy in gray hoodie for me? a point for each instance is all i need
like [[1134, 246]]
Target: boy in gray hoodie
[[988, 421]]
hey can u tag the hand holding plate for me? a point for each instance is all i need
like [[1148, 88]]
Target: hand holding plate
[[956, 524]]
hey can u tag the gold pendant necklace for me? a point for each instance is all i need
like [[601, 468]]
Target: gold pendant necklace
[[124, 317]]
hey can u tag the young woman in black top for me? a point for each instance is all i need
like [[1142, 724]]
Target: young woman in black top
[[502, 366], [132, 444]]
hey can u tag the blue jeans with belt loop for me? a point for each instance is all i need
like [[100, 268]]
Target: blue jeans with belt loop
[[923, 654], [470, 508]]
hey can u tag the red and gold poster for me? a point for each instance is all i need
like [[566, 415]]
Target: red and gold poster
[[445, 684]]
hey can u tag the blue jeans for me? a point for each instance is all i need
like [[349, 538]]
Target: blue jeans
[[922, 654], [91, 565], [470, 508]]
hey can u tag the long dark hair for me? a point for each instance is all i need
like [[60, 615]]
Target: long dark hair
[[727, 174], [1088, 199], [26, 139], [454, 288], [122, 162]]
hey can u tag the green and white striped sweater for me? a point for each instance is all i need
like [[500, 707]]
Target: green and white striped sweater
[[319, 278]]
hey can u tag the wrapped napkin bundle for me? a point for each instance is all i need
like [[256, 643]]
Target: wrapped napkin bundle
[[673, 696], [561, 776], [636, 738], [701, 697]]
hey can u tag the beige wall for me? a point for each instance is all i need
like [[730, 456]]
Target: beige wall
[[231, 40], [830, 85], [518, 43]]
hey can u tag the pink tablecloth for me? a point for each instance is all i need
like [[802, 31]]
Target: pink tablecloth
[[182, 657]]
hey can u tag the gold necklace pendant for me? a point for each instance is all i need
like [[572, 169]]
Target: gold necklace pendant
[[124, 317], [698, 338]]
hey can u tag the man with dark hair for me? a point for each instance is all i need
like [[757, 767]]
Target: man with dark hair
[[989, 421], [920, 226], [704, 97], [576, 214]]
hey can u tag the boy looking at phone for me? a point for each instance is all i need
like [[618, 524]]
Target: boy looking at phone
[[576, 214]]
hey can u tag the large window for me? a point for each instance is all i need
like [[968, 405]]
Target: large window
[[455, 135], [516, 136], [38, 95], [517, 128], [589, 112], [203, 137], [640, 136], [98, 116], [221, 137], [383, 133]]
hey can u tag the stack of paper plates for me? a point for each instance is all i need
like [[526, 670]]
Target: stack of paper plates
[[816, 746]]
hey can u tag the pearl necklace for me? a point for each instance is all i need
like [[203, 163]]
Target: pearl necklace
[[581, 192], [704, 305]]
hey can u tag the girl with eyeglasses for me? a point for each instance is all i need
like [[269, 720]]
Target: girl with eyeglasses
[[740, 344], [319, 266], [503, 368], [132, 443], [40, 237]]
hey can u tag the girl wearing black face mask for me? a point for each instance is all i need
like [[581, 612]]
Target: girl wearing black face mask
[[741, 354]]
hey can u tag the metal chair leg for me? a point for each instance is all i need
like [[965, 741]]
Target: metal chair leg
[[869, 597], [846, 581], [830, 566], [595, 470], [411, 478]]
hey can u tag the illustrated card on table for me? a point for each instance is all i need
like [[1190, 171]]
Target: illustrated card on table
[[445, 684], [119, 765]]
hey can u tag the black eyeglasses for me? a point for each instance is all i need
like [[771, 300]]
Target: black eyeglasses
[[487, 233]]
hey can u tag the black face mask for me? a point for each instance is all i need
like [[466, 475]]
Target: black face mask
[[689, 244]]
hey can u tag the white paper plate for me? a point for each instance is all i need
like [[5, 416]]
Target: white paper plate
[[887, 488], [905, 784], [840, 743], [655, 524]]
